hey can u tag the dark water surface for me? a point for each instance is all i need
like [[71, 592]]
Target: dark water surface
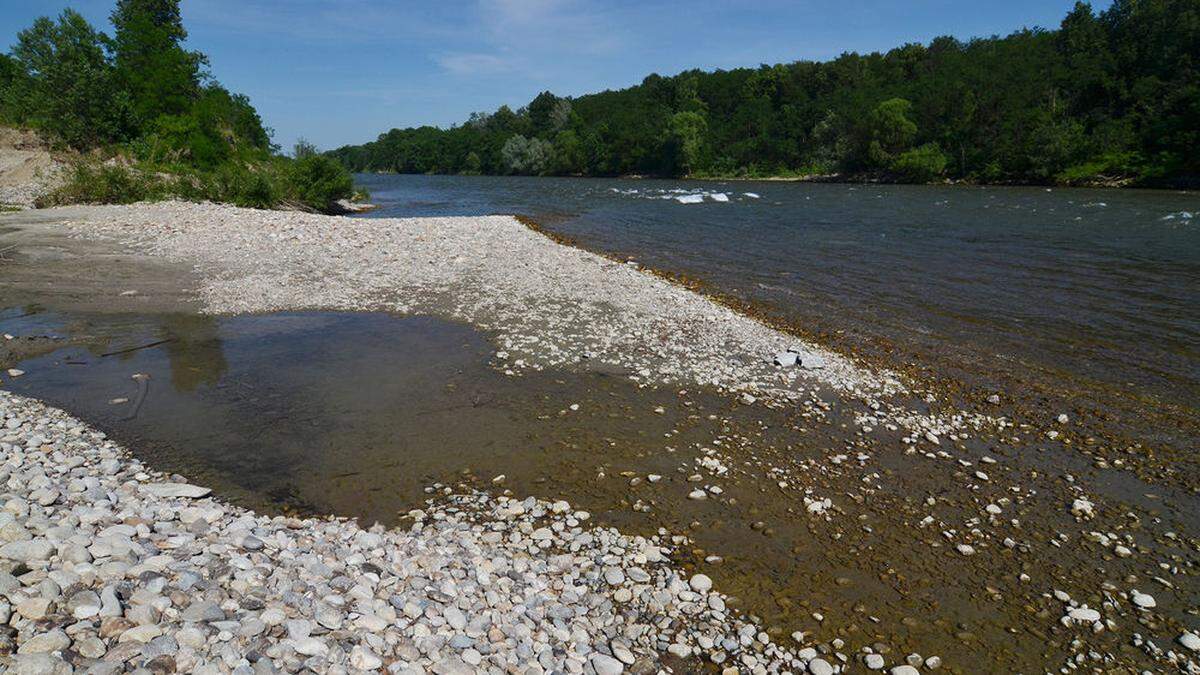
[[324, 412], [1091, 295]]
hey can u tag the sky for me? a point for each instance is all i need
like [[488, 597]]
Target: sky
[[344, 71]]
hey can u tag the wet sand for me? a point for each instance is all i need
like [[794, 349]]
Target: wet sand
[[943, 535]]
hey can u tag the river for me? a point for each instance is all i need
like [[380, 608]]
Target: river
[[1086, 296]]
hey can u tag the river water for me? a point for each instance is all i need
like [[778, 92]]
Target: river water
[[1092, 296]]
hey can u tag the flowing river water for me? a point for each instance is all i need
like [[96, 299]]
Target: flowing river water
[[1087, 299], [1077, 301]]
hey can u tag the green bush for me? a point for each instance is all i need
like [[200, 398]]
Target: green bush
[[250, 186], [315, 183], [106, 184], [1110, 165], [921, 164], [181, 138], [318, 182]]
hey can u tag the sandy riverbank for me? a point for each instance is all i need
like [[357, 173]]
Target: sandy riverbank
[[895, 523]]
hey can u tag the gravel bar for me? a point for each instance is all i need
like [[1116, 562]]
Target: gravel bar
[[107, 565], [549, 305]]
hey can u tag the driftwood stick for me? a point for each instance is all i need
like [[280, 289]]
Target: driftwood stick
[[134, 349], [143, 383]]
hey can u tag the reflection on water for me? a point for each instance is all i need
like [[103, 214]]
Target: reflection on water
[[351, 414], [193, 346]]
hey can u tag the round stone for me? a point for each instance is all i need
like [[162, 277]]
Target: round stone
[[1191, 641], [820, 666], [1143, 600], [604, 664]]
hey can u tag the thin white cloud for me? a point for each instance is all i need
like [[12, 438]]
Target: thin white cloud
[[562, 26], [530, 37], [467, 63]]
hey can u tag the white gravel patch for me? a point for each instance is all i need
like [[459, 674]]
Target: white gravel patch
[[549, 305], [104, 567], [22, 195]]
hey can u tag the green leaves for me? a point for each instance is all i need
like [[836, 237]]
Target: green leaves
[[684, 142], [87, 90], [64, 84], [889, 130], [161, 77], [319, 182], [922, 164]]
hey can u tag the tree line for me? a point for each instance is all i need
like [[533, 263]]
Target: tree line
[[141, 97], [1108, 96]]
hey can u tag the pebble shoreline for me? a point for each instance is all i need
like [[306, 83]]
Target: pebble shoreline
[[550, 305], [107, 565]]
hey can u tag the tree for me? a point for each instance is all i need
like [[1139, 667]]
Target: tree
[[472, 165], [685, 137], [70, 89], [162, 77], [1083, 43], [303, 149], [548, 113], [570, 156], [830, 142], [921, 164], [890, 131], [530, 156], [13, 85], [1054, 145]]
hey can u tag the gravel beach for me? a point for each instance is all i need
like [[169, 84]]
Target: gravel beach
[[107, 564], [549, 305], [974, 529]]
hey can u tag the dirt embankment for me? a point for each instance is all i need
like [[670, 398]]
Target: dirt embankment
[[28, 169]]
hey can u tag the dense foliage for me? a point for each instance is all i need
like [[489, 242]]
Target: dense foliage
[[157, 124], [1106, 96]]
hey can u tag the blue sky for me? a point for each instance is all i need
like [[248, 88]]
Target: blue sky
[[343, 71]]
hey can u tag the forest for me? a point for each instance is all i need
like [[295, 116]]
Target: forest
[[1109, 97], [146, 119]]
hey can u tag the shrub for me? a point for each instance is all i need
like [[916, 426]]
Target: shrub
[[1107, 166], [318, 182], [921, 164], [182, 138], [105, 184], [240, 185]]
